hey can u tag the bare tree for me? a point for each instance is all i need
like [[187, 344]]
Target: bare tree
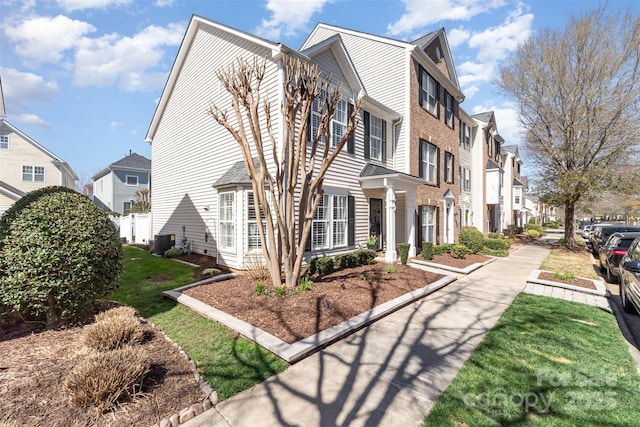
[[578, 93], [287, 187]]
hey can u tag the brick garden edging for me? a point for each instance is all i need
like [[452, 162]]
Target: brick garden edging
[[197, 408]]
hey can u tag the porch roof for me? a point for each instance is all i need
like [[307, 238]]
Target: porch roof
[[373, 176]]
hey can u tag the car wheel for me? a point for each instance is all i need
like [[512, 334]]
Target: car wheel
[[626, 304]]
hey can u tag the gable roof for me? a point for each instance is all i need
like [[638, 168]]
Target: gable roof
[[194, 25], [55, 159], [485, 117], [440, 35], [133, 161], [513, 149], [450, 81], [236, 174], [11, 191]]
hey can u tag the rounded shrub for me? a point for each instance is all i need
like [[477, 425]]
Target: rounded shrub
[[533, 233], [459, 251], [59, 253], [472, 238], [497, 244]]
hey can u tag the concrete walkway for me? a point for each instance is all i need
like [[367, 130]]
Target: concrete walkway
[[391, 372]]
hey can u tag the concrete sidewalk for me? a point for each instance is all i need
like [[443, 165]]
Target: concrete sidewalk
[[391, 372]]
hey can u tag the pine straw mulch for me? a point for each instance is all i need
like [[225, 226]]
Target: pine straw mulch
[[34, 363], [578, 281]]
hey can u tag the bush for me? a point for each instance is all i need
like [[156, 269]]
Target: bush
[[391, 268], [403, 251], [346, 260], [494, 236], [365, 256], [173, 252], [442, 249], [427, 250], [495, 252], [59, 254], [102, 379], [115, 331], [472, 238], [497, 244], [312, 265], [533, 233], [306, 284], [123, 310], [459, 251], [513, 230], [324, 265]]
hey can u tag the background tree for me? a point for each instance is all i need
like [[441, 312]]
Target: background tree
[[143, 201], [286, 175], [578, 92]]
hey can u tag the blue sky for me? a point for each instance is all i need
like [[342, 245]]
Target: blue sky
[[82, 77]]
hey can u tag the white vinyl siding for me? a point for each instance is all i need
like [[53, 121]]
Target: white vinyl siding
[[188, 140]]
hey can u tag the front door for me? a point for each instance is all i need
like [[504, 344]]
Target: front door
[[375, 220]]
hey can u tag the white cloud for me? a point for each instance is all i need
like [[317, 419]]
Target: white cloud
[[44, 39], [493, 46], [457, 36], [126, 60], [71, 5], [31, 119], [288, 16], [506, 120], [20, 89], [419, 14], [115, 124], [164, 3]]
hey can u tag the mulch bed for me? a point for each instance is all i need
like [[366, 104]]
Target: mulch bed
[[34, 363], [579, 281], [449, 260], [335, 298]]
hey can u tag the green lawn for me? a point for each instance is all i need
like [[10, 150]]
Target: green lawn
[[548, 362], [229, 362]]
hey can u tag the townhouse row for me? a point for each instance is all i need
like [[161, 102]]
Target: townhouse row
[[418, 169]]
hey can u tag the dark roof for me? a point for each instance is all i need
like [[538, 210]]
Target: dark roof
[[513, 149], [483, 117], [422, 41], [376, 170], [133, 161], [491, 165], [236, 174], [517, 183]]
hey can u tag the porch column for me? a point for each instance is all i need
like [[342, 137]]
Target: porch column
[[410, 207], [390, 254]]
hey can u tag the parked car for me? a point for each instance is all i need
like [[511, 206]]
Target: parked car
[[612, 252], [586, 232], [602, 232], [630, 278]]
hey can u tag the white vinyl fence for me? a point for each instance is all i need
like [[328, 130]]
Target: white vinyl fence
[[136, 228]]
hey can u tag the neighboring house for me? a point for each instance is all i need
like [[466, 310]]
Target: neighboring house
[[114, 187], [419, 81], [467, 130], [487, 179], [515, 190], [25, 165]]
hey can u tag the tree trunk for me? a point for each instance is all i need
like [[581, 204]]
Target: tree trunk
[[53, 314], [569, 226]]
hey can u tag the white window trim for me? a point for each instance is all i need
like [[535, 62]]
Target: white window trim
[[249, 236], [222, 220], [32, 173], [430, 162], [430, 98], [126, 181], [424, 213], [4, 142], [27, 170], [375, 138], [333, 123], [330, 220]]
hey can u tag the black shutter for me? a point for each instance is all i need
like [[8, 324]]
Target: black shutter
[[307, 246], [384, 141], [453, 169], [309, 136], [421, 94], [351, 220], [437, 225], [351, 143], [438, 166], [438, 101], [419, 230], [421, 171], [454, 108], [367, 136]]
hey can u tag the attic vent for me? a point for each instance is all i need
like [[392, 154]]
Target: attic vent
[[438, 53]]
